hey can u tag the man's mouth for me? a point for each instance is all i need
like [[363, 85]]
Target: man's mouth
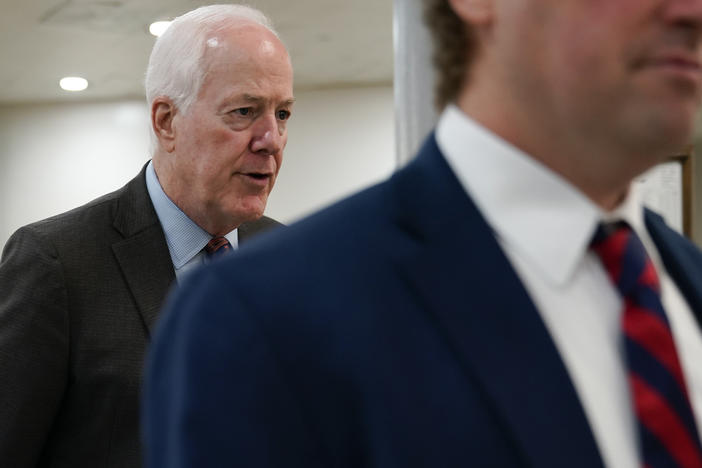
[[682, 65], [257, 178], [258, 175]]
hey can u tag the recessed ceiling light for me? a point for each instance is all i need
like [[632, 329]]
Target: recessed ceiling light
[[159, 27], [73, 83]]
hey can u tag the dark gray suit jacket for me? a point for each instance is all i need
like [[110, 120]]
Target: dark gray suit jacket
[[79, 295]]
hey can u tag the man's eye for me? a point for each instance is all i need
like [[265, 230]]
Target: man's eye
[[283, 115], [244, 111]]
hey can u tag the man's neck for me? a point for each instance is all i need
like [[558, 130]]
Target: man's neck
[[601, 170]]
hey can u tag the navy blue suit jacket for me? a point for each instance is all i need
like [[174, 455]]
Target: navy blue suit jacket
[[387, 331]]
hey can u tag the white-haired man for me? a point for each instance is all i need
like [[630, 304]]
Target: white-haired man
[[81, 291]]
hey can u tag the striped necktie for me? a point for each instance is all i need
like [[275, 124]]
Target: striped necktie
[[666, 425], [218, 247]]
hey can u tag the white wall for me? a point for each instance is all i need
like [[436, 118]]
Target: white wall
[[56, 157], [338, 142], [53, 158]]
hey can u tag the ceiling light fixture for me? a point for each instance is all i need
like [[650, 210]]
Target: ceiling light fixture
[[159, 27], [73, 83]]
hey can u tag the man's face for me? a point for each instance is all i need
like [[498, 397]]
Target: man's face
[[229, 145], [626, 72]]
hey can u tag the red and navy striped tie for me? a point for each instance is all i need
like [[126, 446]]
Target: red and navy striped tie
[[666, 425], [217, 247]]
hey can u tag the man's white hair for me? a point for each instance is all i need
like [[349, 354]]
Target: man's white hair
[[176, 66]]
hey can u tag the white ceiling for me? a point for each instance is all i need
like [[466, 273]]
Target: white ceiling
[[332, 43]]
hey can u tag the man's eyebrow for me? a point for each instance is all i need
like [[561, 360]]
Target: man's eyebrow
[[251, 98], [258, 99]]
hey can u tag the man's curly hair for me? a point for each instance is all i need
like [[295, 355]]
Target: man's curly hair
[[454, 47]]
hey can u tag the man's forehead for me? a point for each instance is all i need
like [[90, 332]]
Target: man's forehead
[[262, 48], [243, 33]]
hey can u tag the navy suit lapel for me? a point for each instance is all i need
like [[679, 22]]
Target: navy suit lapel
[[682, 260], [482, 308], [143, 254]]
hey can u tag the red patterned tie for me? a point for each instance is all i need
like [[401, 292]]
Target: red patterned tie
[[666, 425], [217, 247]]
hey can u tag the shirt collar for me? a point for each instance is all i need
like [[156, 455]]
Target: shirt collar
[[530, 208], [185, 239]]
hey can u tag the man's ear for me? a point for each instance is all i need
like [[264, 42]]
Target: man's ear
[[474, 12], [163, 112]]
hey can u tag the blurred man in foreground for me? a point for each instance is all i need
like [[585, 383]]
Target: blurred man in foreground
[[505, 300], [81, 291]]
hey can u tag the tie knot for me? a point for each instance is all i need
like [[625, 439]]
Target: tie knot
[[217, 246], [624, 257]]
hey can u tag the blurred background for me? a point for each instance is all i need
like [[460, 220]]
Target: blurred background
[[60, 149]]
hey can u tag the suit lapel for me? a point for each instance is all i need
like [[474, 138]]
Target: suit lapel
[[483, 310], [682, 260], [251, 229], [143, 254]]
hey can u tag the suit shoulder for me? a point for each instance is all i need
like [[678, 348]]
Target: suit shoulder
[[97, 212], [348, 239], [68, 219], [349, 220], [255, 228]]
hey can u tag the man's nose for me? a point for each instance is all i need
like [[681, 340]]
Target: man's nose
[[267, 135], [686, 13]]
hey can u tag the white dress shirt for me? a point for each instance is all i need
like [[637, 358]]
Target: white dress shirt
[[184, 238], [545, 225]]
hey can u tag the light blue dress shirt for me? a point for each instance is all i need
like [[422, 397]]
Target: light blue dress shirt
[[184, 238]]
